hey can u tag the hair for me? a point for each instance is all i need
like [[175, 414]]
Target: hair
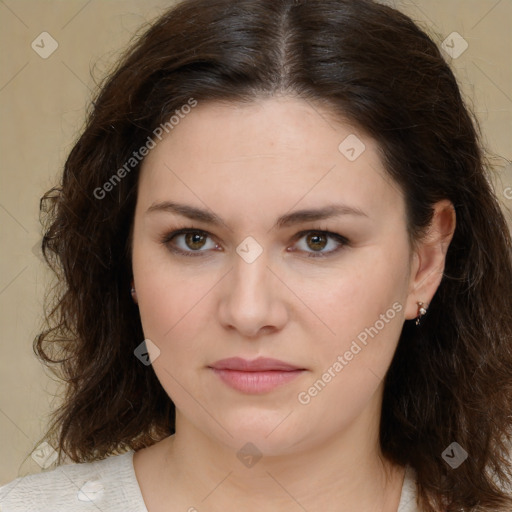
[[368, 64]]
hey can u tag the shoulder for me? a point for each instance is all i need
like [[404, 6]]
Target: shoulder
[[109, 484], [409, 496]]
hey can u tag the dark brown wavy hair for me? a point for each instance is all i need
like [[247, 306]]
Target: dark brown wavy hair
[[450, 379]]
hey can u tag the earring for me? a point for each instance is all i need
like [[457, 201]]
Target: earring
[[422, 310], [134, 294]]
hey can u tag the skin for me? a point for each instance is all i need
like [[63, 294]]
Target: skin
[[250, 164]]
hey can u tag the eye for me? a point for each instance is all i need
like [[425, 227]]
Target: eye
[[189, 242], [317, 241], [194, 242]]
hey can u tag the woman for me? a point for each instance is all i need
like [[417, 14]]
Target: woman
[[287, 281]]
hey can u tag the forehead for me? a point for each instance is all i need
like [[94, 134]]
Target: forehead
[[277, 151]]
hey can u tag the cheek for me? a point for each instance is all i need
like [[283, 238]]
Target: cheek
[[363, 313], [174, 313], [172, 307], [365, 286], [171, 300]]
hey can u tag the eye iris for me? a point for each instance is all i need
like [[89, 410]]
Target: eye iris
[[194, 240], [318, 240]]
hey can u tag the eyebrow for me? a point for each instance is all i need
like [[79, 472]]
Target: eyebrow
[[286, 220]]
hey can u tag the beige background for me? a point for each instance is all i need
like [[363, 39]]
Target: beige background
[[43, 102]]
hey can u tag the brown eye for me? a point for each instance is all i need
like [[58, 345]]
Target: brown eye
[[319, 244], [195, 241], [316, 241], [189, 242]]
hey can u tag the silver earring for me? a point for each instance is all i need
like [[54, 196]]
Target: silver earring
[[422, 310]]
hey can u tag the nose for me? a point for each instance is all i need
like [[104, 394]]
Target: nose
[[253, 300]]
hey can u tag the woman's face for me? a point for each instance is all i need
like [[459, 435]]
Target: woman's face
[[255, 279]]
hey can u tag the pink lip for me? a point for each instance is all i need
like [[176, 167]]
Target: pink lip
[[254, 377]]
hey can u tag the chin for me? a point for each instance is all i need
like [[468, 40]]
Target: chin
[[269, 433]]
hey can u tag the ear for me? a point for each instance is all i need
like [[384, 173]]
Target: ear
[[429, 258], [133, 292]]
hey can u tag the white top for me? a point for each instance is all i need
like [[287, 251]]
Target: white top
[[108, 485]]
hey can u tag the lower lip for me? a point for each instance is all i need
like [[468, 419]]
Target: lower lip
[[256, 382]]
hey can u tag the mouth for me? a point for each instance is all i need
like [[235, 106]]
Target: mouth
[[258, 376]]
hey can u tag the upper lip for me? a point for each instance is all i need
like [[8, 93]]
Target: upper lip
[[260, 364]]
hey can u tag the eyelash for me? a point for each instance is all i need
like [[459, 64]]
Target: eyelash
[[168, 238]]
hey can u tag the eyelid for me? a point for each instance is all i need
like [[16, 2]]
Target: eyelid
[[341, 240], [167, 239]]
